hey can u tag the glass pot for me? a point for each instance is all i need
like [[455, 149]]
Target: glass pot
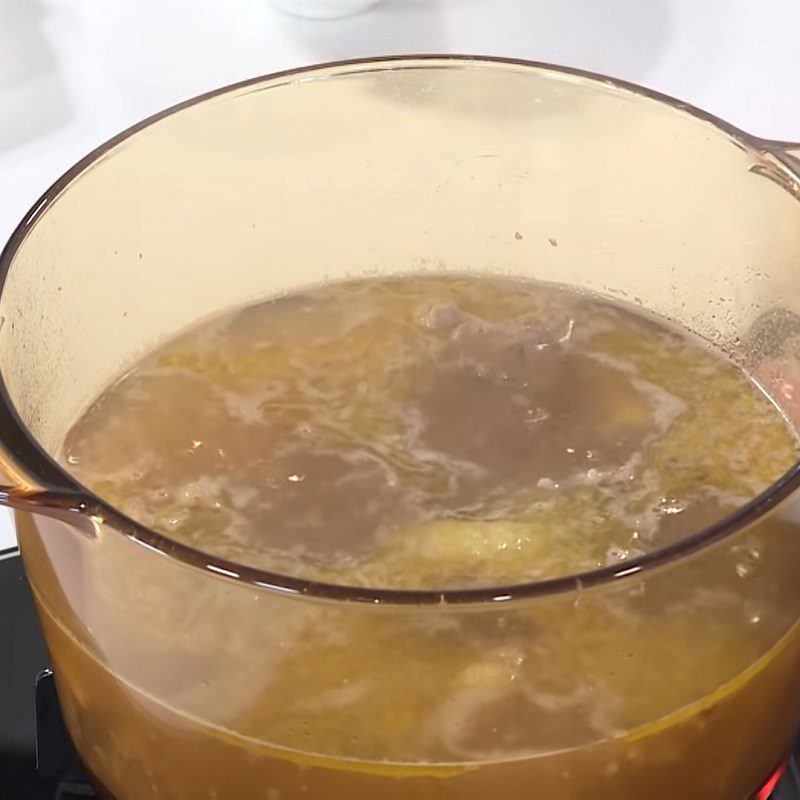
[[174, 669]]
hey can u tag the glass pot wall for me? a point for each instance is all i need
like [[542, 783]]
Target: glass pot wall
[[177, 671]]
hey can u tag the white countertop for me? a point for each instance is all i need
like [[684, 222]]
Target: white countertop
[[75, 72]]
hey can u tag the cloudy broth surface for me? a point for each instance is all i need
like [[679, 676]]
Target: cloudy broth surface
[[450, 432]]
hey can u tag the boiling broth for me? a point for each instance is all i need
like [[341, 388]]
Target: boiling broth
[[449, 432]]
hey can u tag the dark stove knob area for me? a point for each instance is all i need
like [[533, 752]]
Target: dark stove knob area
[[31, 729]]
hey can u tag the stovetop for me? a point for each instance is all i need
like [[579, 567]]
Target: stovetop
[[37, 761]]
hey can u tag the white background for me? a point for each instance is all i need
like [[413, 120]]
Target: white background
[[75, 72]]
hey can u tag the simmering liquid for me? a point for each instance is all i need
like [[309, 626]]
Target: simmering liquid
[[447, 433], [430, 433]]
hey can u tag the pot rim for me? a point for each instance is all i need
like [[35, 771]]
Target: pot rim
[[43, 486]]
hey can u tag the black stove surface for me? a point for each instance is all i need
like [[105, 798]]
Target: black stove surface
[[37, 761]]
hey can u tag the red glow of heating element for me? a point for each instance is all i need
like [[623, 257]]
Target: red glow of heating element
[[766, 790]]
